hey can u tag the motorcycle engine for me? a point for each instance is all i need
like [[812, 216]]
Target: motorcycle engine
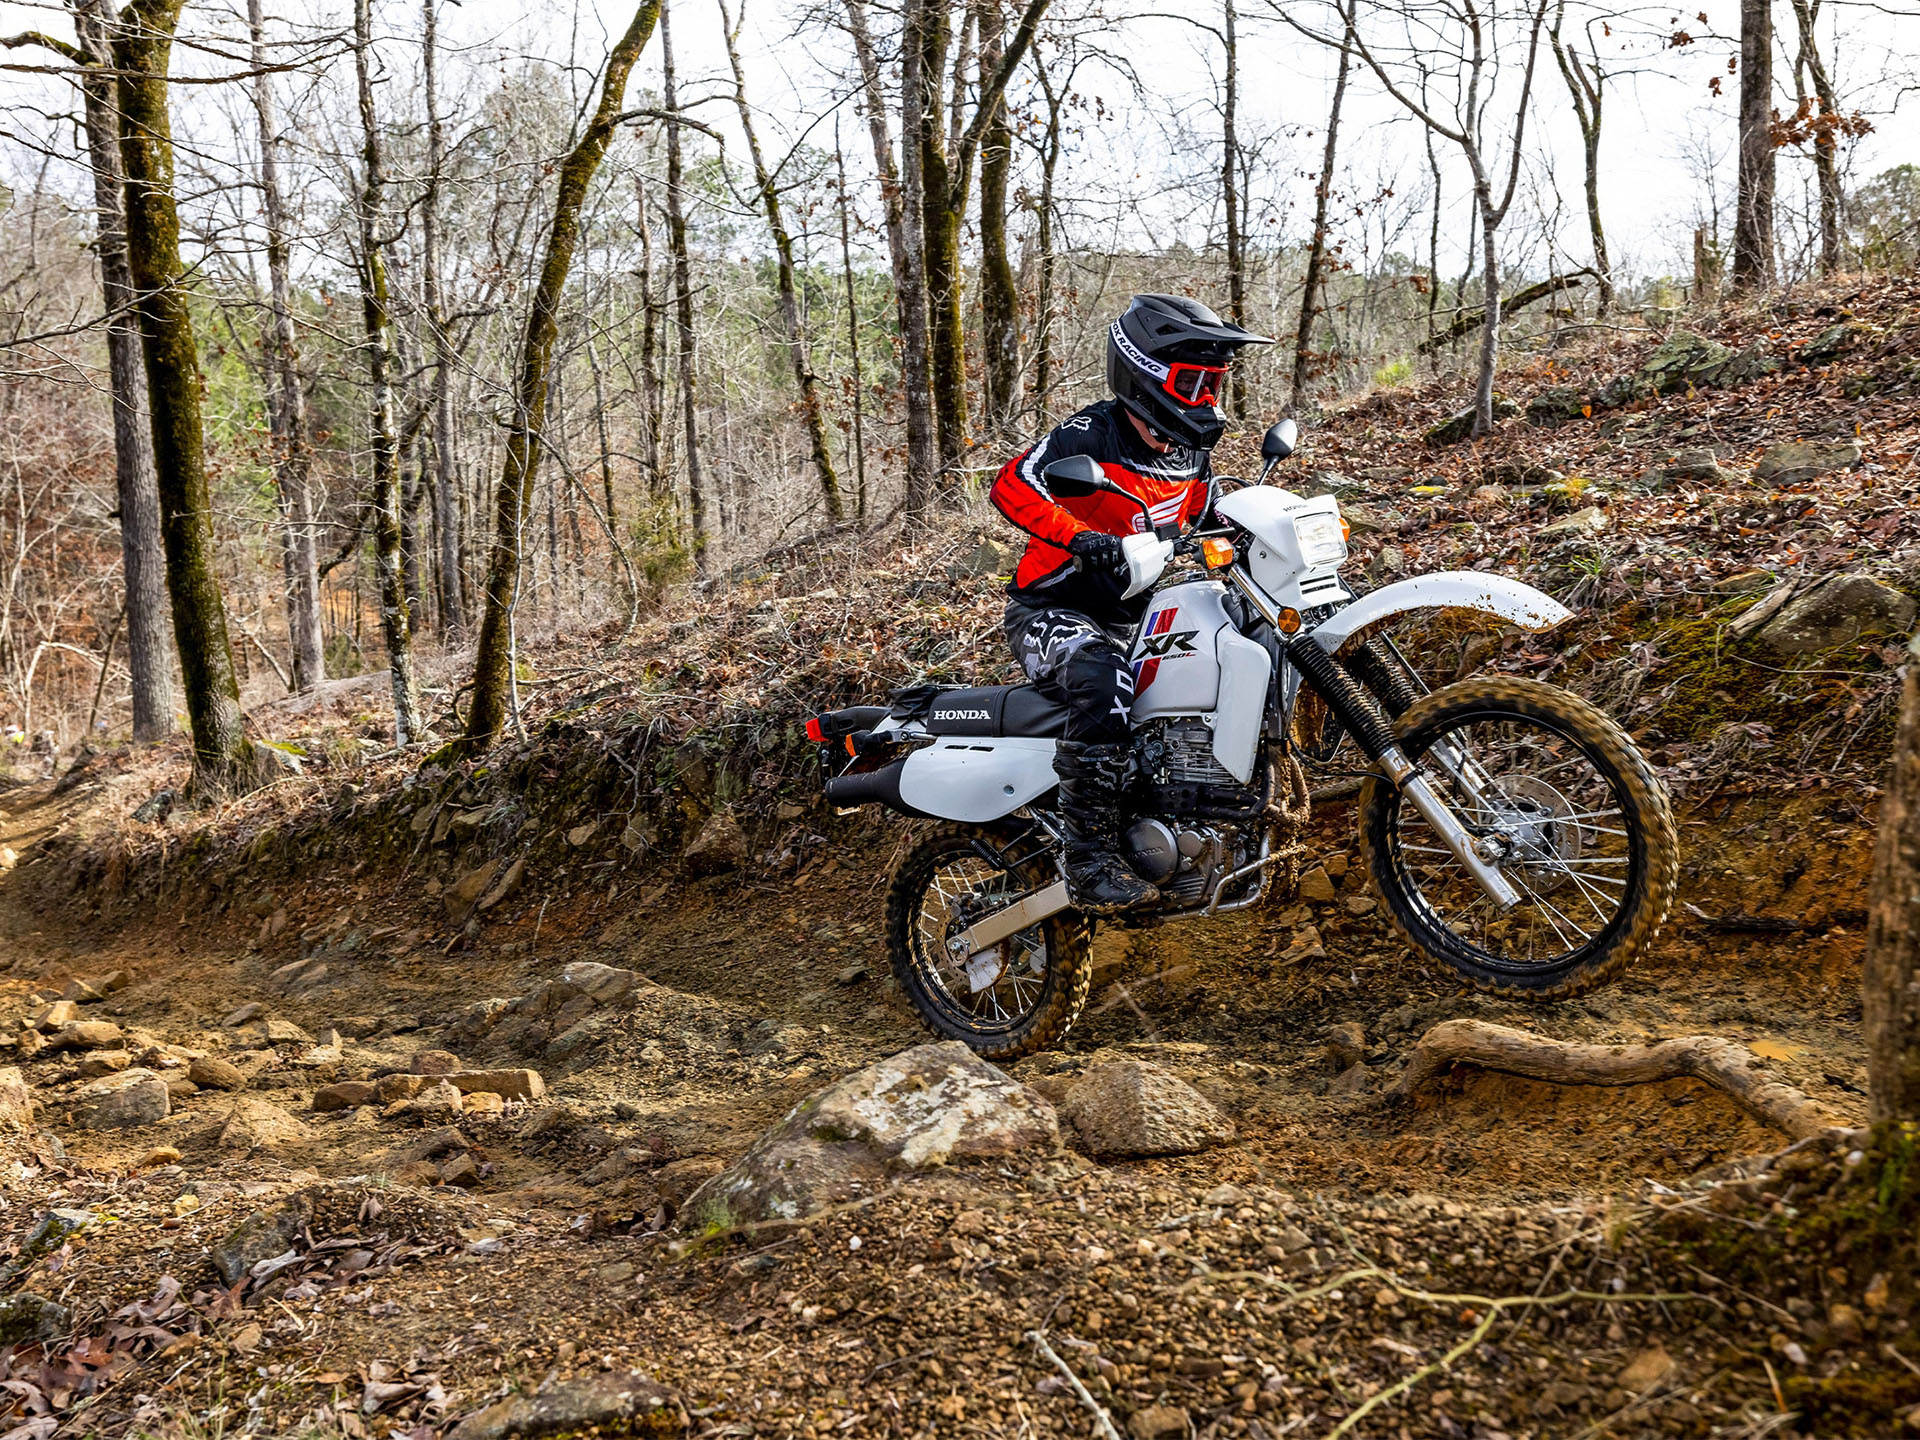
[[1179, 775], [1186, 863]]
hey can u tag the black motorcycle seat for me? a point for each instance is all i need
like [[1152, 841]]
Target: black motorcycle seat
[[997, 710]]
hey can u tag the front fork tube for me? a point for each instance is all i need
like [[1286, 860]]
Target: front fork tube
[[1371, 730]]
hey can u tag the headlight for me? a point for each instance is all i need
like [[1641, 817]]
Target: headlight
[[1321, 541]]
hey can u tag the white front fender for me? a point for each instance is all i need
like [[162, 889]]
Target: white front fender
[[1511, 600]]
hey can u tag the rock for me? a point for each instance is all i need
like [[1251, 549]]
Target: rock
[[620, 1402], [390, 1088], [210, 1072], [581, 834], [86, 1035], [1389, 563], [433, 1062], [1645, 1370], [102, 1062], [1556, 405], [16, 1101], [483, 1102], [285, 1032], [27, 1317], [1346, 1044], [989, 557], [1158, 1422], [54, 1015], [246, 1014], [159, 1155], [508, 1084], [1834, 341], [465, 892], [1316, 886], [1460, 427], [1591, 520], [678, 1179], [1743, 582], [1832, 611], [462, 1170], [82, 992], [345, 1095], [261, 1236], [256, 1123], [1356, 1079], [1682, 360], [434, 1105], [720, 846], [913, 1111], [506, 884], [121, 1102], [603, 984], [1131, 1107], [1799, 461], [48, 1234], [1691, 467]]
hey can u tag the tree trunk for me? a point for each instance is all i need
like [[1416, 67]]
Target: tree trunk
[[1826, 166], [142, 51], [1317, 246], [797, 349], [446, 501], [683, 307], [149, 654], [653, 382], [1586, 88], [493, 660], [287, 395], [900, 188], [1753, 220], [388, 498], [1230, 196], [1490, 317], [1891, 976], [999, 296], [859, 396], [1433, 240], [940, 239], [1043, 241]]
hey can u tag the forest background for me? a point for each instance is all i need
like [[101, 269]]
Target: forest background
[[495, 327]]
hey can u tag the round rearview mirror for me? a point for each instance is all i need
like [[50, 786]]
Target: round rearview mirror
[[1074, 476]]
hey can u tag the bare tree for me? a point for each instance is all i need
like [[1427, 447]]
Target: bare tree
[[858, 384], [1753, 214], [513, 499], [1586, 81], [287, 392], [1473, 34], [688, 357], [142, 52], [767, 183], [1311, 282], [999, 296], [446, 507], [900, 193]]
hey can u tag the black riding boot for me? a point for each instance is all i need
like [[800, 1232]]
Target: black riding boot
[[1098, 880]]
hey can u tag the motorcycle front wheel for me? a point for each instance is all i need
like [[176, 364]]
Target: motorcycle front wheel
[[1022, 996], [1554, 794]]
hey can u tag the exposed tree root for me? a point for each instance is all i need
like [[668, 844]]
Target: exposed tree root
[[1724, 1064]]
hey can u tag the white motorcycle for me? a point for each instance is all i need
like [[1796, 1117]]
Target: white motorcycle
[[1512, 832]]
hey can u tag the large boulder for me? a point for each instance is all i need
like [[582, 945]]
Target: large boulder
[[256, 1123], [124, 1101], [913, 1111], [1682, 360], [1796, 620], [1130, 1107], [16, 1101], [1798, 461], [527, 1024]]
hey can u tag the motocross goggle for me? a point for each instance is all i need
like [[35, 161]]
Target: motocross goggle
[[1194, 385]]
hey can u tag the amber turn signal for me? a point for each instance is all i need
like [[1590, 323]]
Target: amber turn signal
[[1289, 622], [1216, 553]]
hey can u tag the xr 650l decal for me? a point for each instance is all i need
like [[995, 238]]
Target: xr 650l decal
[[1159, 641]]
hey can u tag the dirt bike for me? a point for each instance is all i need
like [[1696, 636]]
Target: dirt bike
[[1512, 832]]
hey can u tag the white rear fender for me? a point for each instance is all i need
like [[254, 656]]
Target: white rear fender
[[1497, 595], [977, 780]]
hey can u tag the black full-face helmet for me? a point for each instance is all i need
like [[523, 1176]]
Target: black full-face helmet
[[1167, 360]]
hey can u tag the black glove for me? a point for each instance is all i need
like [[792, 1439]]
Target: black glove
[[1097, 553]]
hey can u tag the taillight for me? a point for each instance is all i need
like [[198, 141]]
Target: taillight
[[815, 733]]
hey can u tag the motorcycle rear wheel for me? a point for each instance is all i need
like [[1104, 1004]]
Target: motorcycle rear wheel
[[1044, 972], [1586, 830]]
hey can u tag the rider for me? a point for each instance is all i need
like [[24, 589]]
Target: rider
[[1167, 359]]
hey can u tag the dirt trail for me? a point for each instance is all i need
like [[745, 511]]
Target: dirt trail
[[763, 987]]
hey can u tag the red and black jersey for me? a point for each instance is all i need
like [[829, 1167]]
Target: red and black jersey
[[1173, 484]]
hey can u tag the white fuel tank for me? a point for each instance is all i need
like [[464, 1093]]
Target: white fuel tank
[[1190, 660]]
